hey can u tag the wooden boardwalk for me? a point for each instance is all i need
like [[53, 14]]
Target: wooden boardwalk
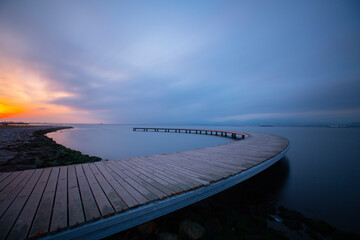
[[95, 200]]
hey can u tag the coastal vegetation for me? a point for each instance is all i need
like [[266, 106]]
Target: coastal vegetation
[[36, 150]]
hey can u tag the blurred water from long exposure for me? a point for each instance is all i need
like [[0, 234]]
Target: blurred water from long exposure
[[322, 164]]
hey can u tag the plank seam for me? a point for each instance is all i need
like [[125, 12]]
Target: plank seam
[[113, 187], [144, 179], [22, 208], [81, 199], [38, 204], [54, 199], [17, 194], [112, 205], [15, 173], [129, 184], [92, 194]]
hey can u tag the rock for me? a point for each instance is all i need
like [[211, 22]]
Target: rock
[[5, 156], [191, 230], [27, 148], [146, 229], [167, 236], [213, 225], [291, 219]]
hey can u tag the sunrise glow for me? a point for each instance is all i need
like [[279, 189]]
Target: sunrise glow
[[8, 110], [228, 62], [29, 95]]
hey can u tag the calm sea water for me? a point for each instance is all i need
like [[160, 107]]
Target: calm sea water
[[321, 179]]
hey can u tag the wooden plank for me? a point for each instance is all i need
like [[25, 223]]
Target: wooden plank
[[156, 182], [13, 194], [5, 175], [232, 165], [12, 213], [201, 158], [76, 212], [90, 208], [43, 215], [8, 192], [102, 202], [203, 164], [59, 218], [150, 171], [182, 181], [113, 197], [141, 184], [134, 185], [196, 172], [23, 223], [218, 162], [173, 172], [9, 179], [169, 166], [119, 189]]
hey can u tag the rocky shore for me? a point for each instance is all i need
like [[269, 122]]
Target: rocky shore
[[27, 147]]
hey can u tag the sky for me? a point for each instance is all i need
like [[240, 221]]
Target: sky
[[180, 62]]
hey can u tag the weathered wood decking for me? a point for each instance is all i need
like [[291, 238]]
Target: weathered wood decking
[[99, 199]]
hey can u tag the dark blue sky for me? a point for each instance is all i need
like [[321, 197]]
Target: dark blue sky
[[183, 61]]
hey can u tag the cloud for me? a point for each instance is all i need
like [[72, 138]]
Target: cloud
[[124, 62], [292, 115]]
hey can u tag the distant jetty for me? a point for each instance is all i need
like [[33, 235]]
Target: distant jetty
[[266, 125]]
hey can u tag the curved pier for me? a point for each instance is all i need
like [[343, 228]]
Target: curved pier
[[96, 200]]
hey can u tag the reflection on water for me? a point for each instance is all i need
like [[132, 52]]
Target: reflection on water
[[319, 177], [119, 141]]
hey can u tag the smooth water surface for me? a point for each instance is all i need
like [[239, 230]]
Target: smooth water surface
[[323, 173], [115, 142]]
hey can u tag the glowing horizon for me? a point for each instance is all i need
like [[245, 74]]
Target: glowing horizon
[[27, 95], [229, 62]]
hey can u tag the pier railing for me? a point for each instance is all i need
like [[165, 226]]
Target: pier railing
[[222, 133]]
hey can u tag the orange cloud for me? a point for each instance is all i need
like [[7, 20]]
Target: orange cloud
[[7, 110], [27, 94]]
